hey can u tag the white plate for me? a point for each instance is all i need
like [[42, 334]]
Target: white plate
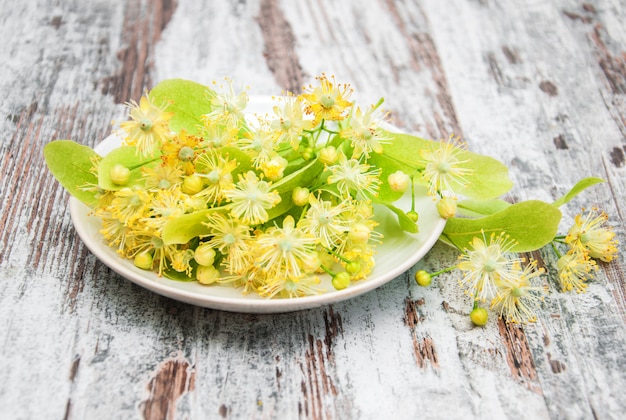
[[398, 253]]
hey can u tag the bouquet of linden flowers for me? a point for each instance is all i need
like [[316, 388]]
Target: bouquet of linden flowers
[[200, 190]]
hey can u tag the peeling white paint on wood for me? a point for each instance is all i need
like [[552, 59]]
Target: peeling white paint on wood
[[538, 85]]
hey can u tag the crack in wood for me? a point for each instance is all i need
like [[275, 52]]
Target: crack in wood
[[280, 53], [318, 359], [173, 379], [519, 356], [143, 27], [423, 54], [423, 349]]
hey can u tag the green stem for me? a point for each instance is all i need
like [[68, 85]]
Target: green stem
[[323, 267], [556, 250], [445, 270], [412, 195], [341, 257]]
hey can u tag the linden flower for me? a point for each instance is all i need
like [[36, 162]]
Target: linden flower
[[274, 168], [181, 261], [251, 198], [291, 288], [588, 234], [485, 265], [364, 133], [575, 269], [231, 238], [181, 151], [129, 204], [148, 241], [227, 107], [114, 231], [148, 127], [324, 221], [161, 177], [217, 170], [287, 252], [443, 170], [290, 121], [218, 135], [350, 175], [164, 206], [328, 101], [517, 299], [261, 142], [363, 256]]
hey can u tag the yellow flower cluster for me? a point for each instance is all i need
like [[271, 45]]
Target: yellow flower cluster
[[491, 274], [588, 239], [256, 235]]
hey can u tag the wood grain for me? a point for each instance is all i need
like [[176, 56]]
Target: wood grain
[[539, 85]]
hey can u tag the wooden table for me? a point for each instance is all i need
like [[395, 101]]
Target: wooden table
[[540, 85]]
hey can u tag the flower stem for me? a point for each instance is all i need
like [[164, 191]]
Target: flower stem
[[445, 270], [556, 250]]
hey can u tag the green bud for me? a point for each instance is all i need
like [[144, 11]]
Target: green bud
[[423, 278], [399, 181], [353, 267], [413, 215], [207, 274], [341, 280], [120, 174], [143, 260], [446, 207], [479, 316], [204, 254], [300, 196], [308, 154], [193, 184], [329, 155]]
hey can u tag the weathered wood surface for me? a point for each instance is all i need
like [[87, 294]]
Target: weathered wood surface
[[540, 85]]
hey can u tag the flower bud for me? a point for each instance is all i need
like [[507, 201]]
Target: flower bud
[[399, 181], [192, 184], [204, 254], [274, 168], [300, 196], [446, 207], [308, 154], [143, 260], [207, 274], [359, 233], [341, 280], [479, 316], [329, 155], [413, 215], [423, 278], [353, 267], [120, 174]]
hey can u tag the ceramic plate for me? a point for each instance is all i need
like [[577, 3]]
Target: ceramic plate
[[397, 254]]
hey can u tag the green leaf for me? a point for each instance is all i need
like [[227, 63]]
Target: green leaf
[[533, 224], [70, 163], [577, 189], [126, 156], [404, 221], [489, 177], [186, 99], [186, 227], [388, 167], [303, 176], [480, 208]]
